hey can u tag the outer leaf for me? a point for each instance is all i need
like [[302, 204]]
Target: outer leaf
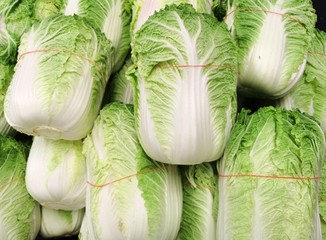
[[86, 232], [19, 213], [271, 142], [16, 17], [142, 9], [112, 17], [6, 73], [308, 94], [199, 212], [120, 89], [143, 199], [184, 114], [272, 47], [56, 173], [57, 94]]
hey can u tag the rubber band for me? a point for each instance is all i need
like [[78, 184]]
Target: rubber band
[[126, 177], [263, 176], [323, 54], [11, 182], [199, 186], [261, 10], [65, 51]]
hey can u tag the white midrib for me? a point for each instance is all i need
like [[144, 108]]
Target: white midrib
[[147, 9], [23, 84], [112, 26], [191, 96], [72, 7]]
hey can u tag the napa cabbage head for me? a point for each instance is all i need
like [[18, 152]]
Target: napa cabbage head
[[56, 173], [200, 202], [129, 196], [308, 95], [269, 177], [19, 213], [184, 85], [60, 78], [60, 223], [273, 39]]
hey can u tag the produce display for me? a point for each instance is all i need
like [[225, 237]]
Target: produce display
[[162, 120]]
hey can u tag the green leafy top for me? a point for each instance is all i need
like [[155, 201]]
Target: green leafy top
[[142, 9]]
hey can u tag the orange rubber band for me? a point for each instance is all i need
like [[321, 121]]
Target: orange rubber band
[[263, 176], [65, 51], [126, 177], [261, 10], [12, 181], [318, 53]]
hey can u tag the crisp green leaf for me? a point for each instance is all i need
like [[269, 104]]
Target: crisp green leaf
[[142, 9], [48, 8]]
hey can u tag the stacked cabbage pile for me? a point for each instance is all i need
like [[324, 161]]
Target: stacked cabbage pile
[[158, 119]]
